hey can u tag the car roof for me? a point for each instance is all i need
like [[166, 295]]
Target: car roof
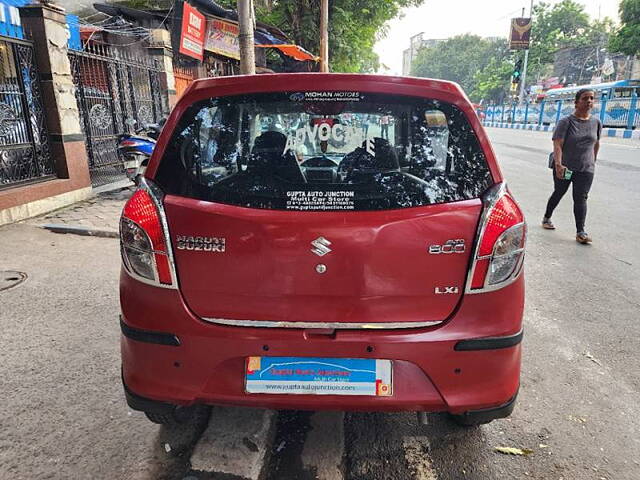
[[315, 76], [278, 82]]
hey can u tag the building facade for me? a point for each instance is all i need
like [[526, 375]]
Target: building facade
[[416, 42]]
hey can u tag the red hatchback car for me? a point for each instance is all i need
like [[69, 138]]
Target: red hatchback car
[[322, 241]]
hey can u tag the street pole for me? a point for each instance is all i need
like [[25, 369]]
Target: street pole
[[524, 75], [245, 37], [324, 35], [523, 78]]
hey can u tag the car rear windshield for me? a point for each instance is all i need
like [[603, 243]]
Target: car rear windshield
[[324, 151]]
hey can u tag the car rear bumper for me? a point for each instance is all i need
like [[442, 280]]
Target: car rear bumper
[[470, 363], [469, 417]]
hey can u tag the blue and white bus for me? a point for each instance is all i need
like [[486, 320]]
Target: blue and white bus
[[608, 90], [616, 97]]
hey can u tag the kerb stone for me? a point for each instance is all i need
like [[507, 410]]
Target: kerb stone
[[236, 442]]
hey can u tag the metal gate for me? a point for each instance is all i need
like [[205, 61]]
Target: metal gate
[[25, 155], [116, 93], [183, 77]]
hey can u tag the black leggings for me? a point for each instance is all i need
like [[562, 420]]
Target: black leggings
[[581, 186]]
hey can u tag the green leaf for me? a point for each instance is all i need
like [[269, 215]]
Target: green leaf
[[354, 28], [627, 38]]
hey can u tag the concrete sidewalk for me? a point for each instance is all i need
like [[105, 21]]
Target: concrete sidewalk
[[97, 216]]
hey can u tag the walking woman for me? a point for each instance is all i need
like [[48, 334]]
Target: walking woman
[[576, 141]]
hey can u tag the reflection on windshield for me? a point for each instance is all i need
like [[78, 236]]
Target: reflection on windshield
[[266, 151]]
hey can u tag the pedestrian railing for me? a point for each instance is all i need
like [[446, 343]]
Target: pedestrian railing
[[613, 113]]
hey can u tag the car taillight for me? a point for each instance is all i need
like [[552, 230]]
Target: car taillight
[[500, 248], [143, 238]]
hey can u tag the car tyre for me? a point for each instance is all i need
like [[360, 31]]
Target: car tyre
[[161, 418], [465, 421], [174, 417]]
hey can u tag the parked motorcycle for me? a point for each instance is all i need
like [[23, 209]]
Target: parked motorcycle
[[136, 149]]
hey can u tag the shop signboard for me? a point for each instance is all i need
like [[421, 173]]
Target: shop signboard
[[193, 31], [222, 38], [520, 34]]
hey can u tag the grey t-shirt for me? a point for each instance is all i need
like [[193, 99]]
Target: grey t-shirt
[[580, 137]]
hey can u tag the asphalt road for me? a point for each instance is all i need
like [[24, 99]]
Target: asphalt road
[[62, 413]]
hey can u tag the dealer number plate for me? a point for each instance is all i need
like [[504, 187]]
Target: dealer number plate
[[318, 376]]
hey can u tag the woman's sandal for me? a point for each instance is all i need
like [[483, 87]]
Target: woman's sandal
[[546, 223], [583, 237]]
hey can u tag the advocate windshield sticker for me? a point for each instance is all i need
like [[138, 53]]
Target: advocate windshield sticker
[[340, 96], [324, 132], [319, 200]]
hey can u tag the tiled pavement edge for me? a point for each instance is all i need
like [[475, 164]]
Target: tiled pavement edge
[[99, 215]]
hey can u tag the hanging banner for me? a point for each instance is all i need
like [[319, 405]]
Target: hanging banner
[[222, 38], [608, 67], [193, 31], [520, 34]]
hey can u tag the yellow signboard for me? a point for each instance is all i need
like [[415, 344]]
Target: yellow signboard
[[222, 37]]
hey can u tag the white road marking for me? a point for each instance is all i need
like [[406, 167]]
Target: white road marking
[[235, 442], [416, 452], [324, 447]]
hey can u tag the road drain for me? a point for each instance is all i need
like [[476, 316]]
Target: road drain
[[10, 278]]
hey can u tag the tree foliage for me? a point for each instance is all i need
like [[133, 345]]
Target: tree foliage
[[492, 82], [554, 27], [483, 67], [564, 25], [468, 60], [354, 27], [627, 39]]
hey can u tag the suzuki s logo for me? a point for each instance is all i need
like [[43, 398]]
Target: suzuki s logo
[[450, 246], [321, 246], [446, 290]]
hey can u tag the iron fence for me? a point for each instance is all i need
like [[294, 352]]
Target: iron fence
[[25, 155], [117, 92], [613, 113]]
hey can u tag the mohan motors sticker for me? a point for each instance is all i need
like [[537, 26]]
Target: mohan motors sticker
[[328, 96], [319, 376]]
